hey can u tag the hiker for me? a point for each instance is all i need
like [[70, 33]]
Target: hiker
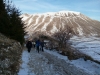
[[29, 45], [37, 45], [42, 45]]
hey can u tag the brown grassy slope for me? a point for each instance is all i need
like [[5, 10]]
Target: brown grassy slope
[[10, 54]]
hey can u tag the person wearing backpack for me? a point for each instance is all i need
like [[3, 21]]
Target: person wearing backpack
[[37, 45], [29, 45]]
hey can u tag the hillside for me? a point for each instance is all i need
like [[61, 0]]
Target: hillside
[[51, 22], [10, 55]]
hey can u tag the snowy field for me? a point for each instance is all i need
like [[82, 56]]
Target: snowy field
[[89, 46]]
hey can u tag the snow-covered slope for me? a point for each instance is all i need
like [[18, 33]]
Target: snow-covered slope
[[87, 45], [52, 22]]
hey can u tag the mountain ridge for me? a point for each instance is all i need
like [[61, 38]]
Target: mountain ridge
[[51, 22]]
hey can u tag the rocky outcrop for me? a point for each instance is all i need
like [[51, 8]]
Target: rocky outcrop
[[10, 54]]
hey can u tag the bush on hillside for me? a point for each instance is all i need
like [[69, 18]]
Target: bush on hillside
[[63, 36]]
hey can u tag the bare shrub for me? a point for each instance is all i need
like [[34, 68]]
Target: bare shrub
[[63, 35]]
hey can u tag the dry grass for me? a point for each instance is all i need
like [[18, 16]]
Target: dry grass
[[10, 54], [74, 54]]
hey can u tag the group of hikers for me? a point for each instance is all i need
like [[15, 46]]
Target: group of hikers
[[38, 44]]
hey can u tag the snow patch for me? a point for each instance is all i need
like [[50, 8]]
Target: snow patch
[[88, 45], [60, 13], [24, 67]]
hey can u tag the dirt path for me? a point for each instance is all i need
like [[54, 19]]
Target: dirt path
[[44, 63]]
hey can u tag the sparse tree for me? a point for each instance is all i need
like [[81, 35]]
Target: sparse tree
[[63, 35]]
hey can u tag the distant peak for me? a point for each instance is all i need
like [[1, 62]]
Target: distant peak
[[69, 12], [60, 13]]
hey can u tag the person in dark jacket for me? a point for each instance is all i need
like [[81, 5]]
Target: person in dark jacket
[[42, 45], [29, 45]]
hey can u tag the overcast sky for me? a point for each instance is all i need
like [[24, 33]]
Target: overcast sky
[[90, 8]]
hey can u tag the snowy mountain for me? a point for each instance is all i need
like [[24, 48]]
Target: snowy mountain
[[52, 22]]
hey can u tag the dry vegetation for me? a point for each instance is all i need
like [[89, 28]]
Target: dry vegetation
[[69, 51], [10, 55], [60, 43], [73, 54]]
